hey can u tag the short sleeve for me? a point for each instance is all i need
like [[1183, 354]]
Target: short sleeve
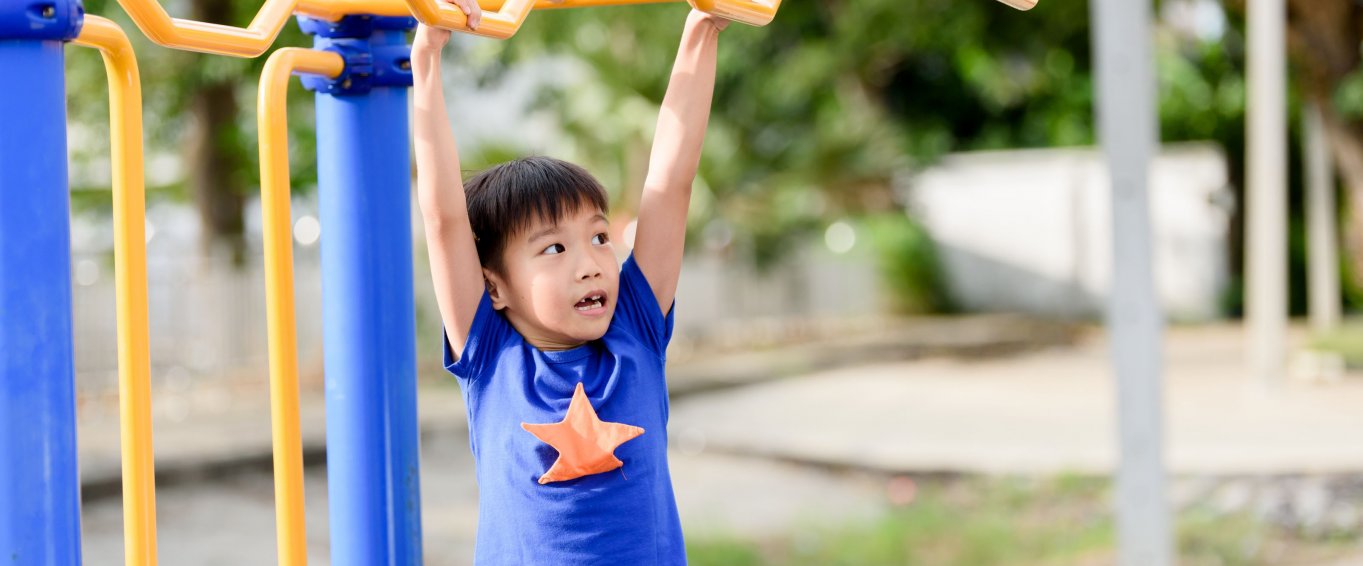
[[638, 309], [488, 336]]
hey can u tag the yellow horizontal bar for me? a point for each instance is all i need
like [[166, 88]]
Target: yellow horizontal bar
[[190, 35], [334, 9], [501, 20], [751, 12], [281, 327], [130, 282]]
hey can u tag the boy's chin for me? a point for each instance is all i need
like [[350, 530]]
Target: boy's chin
[[597, 334], [596, 331]]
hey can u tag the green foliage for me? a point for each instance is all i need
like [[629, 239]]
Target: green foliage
[[1347, 341], [908, 263], [169, 80], [817, 113], [1348, 98]]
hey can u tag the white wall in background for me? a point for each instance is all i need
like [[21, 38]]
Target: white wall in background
[[1030, 230]]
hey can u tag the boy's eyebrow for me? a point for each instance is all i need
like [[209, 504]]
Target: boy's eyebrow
[[542, 233], [555, 229]]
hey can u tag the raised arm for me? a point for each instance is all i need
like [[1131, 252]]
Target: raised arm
[[661, 232], [455, 270]]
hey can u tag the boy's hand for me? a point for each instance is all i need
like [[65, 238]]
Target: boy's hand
[[434, 39], [698, 17]]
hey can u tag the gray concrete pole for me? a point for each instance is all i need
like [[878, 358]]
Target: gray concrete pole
[[1323, 248], [1128, 131], [1266, 175]]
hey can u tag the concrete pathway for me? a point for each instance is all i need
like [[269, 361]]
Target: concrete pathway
[[762, 447], [228, 520], [1045, 412], [218, 425]]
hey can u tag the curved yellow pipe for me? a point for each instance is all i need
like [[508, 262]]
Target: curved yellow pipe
[[130, 282], [205, 37], [272, 120]]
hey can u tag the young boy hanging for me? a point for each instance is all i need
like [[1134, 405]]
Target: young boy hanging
[[558, 349]]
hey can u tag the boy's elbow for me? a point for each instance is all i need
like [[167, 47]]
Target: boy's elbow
[[438, 216], [671, 187]]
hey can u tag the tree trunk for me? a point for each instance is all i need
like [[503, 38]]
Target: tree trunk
[[213, 161], [1323, 37], [1346, 144]]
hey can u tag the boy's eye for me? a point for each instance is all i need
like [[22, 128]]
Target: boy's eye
[[554, 249], [600, 239]]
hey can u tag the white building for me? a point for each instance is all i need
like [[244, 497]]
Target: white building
[[1031, 230]]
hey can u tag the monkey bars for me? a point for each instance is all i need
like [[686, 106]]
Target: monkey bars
[[364, 176], [39, 492]]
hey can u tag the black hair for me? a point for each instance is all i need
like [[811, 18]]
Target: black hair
[[506, 199]]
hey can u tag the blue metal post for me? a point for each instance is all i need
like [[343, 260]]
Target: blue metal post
[[39, 481], [364, 179]]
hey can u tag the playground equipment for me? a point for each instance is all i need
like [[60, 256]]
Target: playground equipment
[[41, 500], [359, 71]]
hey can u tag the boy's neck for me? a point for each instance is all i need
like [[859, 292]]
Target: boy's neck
[[535, 337]]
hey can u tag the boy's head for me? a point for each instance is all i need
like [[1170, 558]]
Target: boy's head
[[542, 237]]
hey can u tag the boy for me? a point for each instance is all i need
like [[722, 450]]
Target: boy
[[559, 350]]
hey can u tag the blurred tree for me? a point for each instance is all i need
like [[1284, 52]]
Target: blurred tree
[[216, 159], [1324, 37], [198, 107], [816, 114]]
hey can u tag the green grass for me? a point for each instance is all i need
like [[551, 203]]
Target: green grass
[[1346, 341], [1058, 521]]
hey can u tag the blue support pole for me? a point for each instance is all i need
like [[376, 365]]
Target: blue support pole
[[39, 480], [364, 179]]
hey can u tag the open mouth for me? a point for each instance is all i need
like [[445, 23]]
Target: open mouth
[[594, 300]]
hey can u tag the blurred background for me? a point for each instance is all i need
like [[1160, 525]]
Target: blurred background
[[890, 344]]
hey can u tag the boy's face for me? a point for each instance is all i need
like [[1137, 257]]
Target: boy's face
[[560, 281]]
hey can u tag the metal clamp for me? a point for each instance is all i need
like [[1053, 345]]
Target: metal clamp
[[357, 78], [41, 19], [366, 65], [358, 26]]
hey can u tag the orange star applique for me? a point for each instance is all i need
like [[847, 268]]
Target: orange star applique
[[586, 444]]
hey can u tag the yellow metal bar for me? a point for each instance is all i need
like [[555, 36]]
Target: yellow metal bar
[[502, 19], [501, 24], [507, 18], [334, 9], [272, 120], [751, 12], [130, 282], [204, 37]]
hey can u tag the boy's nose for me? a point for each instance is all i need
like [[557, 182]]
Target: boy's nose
[[588, 268]]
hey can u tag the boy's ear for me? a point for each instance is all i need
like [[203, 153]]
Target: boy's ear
[[495, 289]]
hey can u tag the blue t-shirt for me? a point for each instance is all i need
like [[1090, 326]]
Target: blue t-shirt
[[624, 516]]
